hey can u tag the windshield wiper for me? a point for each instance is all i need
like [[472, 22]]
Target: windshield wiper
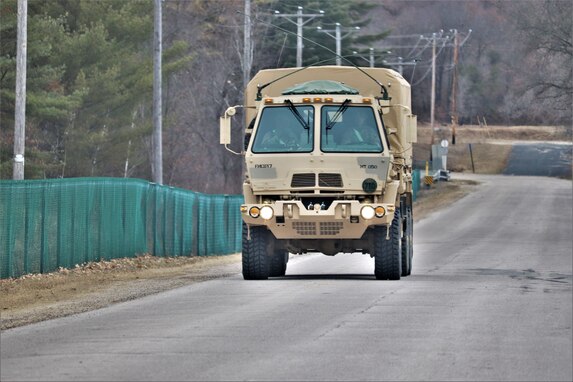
[[297, 115], [341, 109], [300, 119]]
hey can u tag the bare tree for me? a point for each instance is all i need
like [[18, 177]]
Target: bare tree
[[196, 97], [545, 29]]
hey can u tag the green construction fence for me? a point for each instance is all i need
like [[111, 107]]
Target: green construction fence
[[415, 183], [52, 223]]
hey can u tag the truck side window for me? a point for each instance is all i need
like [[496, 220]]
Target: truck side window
[[248, 135], [280, 131]]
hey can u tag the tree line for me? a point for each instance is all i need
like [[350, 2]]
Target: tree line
[[89, 86]]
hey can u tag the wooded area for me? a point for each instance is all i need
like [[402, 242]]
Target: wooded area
[[89, 79]]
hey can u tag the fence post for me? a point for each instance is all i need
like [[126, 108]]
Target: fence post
[[472, 158], [195, 223]]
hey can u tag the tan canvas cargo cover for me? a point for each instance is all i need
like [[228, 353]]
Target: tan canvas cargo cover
[[398, 87]]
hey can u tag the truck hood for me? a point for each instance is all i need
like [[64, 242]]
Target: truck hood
[[310, 173]]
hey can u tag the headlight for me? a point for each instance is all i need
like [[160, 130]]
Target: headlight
[[267, 212], [367, 212], [254, 212], [380, 211]]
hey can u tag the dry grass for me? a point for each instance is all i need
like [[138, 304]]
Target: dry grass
[[440, 195], [492, 134], [37, 297], [490, 146], [487, 158]]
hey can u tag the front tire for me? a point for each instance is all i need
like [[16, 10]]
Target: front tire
[[278, 263], [255, 259], [388, 253]]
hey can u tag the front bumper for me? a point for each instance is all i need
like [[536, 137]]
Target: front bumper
[[342, 220]]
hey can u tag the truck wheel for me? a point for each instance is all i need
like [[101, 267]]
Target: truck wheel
[[388, 253], [278, 263], [255, 259], [407, 243]]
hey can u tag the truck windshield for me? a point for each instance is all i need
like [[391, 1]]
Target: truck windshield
[[352, 131], [285, 129]]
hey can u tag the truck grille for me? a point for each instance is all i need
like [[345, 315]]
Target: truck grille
[[303, 180], [309, 228], [304, 228], [309, 180], [330, 228], [329, 180]]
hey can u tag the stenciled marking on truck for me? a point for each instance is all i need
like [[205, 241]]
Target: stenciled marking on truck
[[378, 166], [263, 171]]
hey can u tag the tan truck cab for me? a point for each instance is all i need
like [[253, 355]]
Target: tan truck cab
[[328, 159]]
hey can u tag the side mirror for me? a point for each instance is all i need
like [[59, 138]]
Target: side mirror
[[413, 128], [225, 130], [225, 126]]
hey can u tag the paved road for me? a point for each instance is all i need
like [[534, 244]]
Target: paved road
[[490, 298], [540, 159]]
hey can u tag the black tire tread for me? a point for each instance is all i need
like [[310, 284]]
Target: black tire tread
[[278, 264], [388, 253], [254, 256], [407, 243]]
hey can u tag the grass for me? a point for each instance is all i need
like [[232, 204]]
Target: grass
[[490, 146]]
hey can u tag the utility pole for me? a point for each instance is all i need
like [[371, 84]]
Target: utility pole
[[299, 24], [156, 141], [434, 40], [453, 110], [400, 64], [338, 45], [453, 105], [20, 106], [371, 57], [433, 91], [299, 42], [417, 49], [338, 37], [247, 47]]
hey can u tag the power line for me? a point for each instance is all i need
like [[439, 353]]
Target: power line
[[404, 36], [299, 24], [417, 51], [338, 37], [383, 88], [415, 47], [370, 60], [444, 40]]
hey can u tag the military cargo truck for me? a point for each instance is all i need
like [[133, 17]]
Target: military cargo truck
[[328, 156]]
